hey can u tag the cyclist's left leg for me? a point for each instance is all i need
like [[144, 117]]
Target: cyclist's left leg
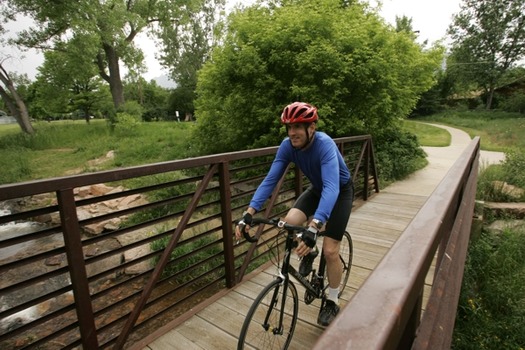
[[335, 228], [334, 268]]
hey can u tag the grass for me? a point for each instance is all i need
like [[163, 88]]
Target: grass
[[70, 147], [428, 135], [499, 131]]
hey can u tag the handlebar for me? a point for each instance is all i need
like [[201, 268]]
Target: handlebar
[[274, 222]]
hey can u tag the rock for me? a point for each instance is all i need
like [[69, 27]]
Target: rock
[[500, 226], [509, 190], [514, 210]]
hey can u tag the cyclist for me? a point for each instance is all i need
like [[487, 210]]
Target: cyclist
[[328, 199]]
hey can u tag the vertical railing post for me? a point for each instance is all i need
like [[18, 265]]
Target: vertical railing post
[[366, 170], [298, 181], [77, 268], [409, 332], [226, 217]]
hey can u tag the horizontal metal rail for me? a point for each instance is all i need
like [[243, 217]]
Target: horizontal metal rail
[[106, 258], [385, 313]]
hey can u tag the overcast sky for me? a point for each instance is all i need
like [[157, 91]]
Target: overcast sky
[[430, 17]]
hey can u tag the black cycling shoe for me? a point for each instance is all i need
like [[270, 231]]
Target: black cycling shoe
[[307, 261], [327, 313]]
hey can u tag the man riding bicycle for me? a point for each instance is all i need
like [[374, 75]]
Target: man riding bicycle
[[328, 199]]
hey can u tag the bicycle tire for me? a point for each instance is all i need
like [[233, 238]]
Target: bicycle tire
[[346, 254], [254, 334]]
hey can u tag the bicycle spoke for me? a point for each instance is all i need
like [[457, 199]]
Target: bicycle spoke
[[262, 328]]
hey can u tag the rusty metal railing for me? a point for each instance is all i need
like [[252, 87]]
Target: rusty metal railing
[[385, 313], [110, 257]]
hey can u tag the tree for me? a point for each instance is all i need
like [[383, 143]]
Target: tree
[[68, 82], [152, 97], [109, 27], [359, 72], [14, 101], [488, 39]]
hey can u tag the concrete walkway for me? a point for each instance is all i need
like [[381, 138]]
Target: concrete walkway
[[440, 159]]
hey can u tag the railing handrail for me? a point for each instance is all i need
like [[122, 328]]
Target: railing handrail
[[207, 202], [385, 312]]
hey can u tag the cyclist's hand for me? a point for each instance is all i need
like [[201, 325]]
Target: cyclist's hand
[[307, 242], [243, 225]]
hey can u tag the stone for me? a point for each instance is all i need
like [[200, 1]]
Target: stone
[[500, 226], [514, 210], [509, 190]]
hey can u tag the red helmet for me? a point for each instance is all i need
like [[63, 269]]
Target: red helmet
[[299, 112]]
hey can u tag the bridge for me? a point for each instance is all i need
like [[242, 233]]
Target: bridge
[[117, 288]]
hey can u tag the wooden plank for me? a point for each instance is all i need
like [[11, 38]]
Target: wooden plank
[[374, 227]]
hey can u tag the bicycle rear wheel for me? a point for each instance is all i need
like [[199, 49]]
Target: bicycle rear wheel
[[260, 329], [346, 254]]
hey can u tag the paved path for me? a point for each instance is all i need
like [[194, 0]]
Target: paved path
[[440, 159]]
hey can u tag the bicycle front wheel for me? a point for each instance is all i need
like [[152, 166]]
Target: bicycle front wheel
[[271, 320]]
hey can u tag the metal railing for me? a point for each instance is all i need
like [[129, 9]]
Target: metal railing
[[385, 313], [112, 256]]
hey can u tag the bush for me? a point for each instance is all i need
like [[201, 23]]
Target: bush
[[491, 307], [514, 167], [398, 154], [514, 103], [126, 124]]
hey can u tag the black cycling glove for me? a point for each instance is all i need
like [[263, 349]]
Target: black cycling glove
[[246, 219], [309, 236]]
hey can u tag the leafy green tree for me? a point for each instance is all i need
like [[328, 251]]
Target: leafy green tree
[[488, 39], [152, 97], [181, 101], [67, 82], [105, 29], [360, 73]]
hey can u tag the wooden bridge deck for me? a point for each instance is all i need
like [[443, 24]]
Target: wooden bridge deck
[[374, 226]]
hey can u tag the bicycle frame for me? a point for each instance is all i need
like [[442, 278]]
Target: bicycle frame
[[284, 276]]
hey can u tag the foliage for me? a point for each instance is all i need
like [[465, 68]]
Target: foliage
[[360, 73], [488, 39], [434, 100], [126, 125], [108, 30], [514, 103], [397, 155], [514, 167], [492, 301], [152, 98], [181, 100]]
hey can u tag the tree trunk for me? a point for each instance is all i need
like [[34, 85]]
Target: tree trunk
[[113, 79], [14, 102], [490, 97]]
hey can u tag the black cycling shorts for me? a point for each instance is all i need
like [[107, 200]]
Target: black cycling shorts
[[308, 202]]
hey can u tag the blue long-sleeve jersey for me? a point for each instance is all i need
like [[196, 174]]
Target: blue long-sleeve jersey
[[321, 163]]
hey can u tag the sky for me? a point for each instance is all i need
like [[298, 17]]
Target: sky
[[430, 17]]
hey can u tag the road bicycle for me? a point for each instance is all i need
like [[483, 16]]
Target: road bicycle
[[271, 320]]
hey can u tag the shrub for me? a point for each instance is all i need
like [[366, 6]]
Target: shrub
[[126, 124], [491, 307], [514, 103], [514, 167], [398, 154]]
